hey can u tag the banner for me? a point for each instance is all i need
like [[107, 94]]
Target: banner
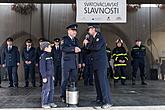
[[101, 11]]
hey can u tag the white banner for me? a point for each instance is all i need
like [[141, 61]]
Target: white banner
[[101, 11]]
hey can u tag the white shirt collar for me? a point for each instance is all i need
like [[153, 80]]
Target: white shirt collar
[[9, 46], [29, 47], [71, 37], [95, 35]]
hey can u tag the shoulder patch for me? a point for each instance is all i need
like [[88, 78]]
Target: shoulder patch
[[97, 39]]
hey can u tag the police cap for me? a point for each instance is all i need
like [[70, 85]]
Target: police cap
[[72, 26]]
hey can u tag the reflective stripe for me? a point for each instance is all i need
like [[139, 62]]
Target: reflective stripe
[[121, 54], [135, 48], [108, 51], [113, 55], [123, 77], [143, 48], [126, 58], [120, 64], [49, 58], [116, 77], [116, 58]]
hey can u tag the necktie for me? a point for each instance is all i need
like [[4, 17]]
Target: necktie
[[57, 48], [28, 48], [73, 40], [9, 48]]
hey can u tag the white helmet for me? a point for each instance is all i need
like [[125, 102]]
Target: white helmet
[[119, 40]]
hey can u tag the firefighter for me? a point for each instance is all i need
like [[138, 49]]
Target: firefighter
[[120, 57]]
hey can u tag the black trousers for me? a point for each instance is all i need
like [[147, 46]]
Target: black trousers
[[12, 74], [138, 63], [57, 74], [29, 71], [68, 74], [102, 85]]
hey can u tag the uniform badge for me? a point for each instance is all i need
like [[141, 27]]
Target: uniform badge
[[62, 42], [97, 39]]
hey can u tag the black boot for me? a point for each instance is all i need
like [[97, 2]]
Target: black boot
[[115, 82], [16, 85], [10, 86], [26, 84], [133, 81], [34, 85], [123, 82], [143, 83]]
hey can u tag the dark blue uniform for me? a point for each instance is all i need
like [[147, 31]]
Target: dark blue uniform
[[88, 69], [119, 53], [57, 55], [29, 55], [47, 70], [109, 69], [38, 54], [138, 55], [97, 46], [10, 57], [69, 62]]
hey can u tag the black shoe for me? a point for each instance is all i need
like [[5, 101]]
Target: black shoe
[[99, 102], [16, 86], [143, 83], [123, 83], [10, 86], [106, 106], [133, 82], [26, 86], [34, 85]]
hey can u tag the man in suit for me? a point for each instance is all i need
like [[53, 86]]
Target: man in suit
[[70, 50], [57, 54], [11, 60], [28, 57], [97, 45]]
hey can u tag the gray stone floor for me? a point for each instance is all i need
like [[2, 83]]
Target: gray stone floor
[[151, 95]]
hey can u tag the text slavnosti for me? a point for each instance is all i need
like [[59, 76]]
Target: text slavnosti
[[101, 8]]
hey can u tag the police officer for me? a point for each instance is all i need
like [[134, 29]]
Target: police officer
[[120, 57], [70, 50], [88, 69], [47, 72], [97, 46], [11, 60], [109, 69], [38, 54], [29, 59], [138, 54], [57, 54]]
